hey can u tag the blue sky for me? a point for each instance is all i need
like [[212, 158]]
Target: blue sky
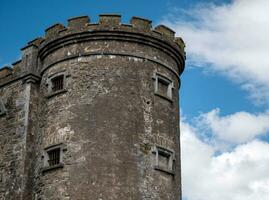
[[27, 21], [225, 89]]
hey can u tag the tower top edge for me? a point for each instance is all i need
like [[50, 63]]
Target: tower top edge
[[111, 22]]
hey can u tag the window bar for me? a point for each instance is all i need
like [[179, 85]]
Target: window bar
[[57, 83]]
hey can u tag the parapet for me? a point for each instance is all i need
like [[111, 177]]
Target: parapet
[[165, 31], [141, 24], [111, 22], [54, 30], [5, 71], [36, 41], [78, 23], [107, 22]]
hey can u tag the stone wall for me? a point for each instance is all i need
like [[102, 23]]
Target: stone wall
[[115, 119]]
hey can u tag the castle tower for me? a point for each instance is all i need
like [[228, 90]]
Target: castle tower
[[92, 112]]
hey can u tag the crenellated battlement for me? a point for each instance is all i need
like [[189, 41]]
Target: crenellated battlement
[[108, 22], [78, 23], [82, 25], [99, 98], [5, 72]]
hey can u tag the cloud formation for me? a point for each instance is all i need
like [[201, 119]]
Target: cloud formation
[[236, 128], [241, 174], [231, 39]]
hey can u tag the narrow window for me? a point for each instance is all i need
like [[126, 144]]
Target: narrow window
[[164, 159], [57, 83], [163, 86], [54, 157]]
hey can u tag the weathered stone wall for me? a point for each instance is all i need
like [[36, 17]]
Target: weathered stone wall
[[14, 124], [108, 118], [12, 141]]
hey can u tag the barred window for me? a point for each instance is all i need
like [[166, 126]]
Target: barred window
[[54, 157], [57, 83]]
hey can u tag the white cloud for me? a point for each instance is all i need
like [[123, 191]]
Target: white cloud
[[241, 174], [232, 38], [237, 128]]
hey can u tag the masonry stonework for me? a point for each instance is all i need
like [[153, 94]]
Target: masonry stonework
[[91, 112]]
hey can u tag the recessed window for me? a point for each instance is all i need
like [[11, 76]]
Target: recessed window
[[53, 157], [164, 159], [56, 84], [163, 86]]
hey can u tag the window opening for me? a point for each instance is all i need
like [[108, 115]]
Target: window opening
[[57, 83], [164, 160], [163, 86], [54, 157]]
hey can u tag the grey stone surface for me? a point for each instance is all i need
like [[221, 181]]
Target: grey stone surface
[[117, 127]]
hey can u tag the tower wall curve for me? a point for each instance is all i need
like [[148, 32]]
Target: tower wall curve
[[104, 122]]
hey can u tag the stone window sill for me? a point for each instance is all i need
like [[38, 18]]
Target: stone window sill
[[164, 97], [56, 93], [54, 167], [170, 172]]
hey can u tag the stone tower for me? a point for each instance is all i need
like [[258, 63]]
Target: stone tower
[[91, 112]]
